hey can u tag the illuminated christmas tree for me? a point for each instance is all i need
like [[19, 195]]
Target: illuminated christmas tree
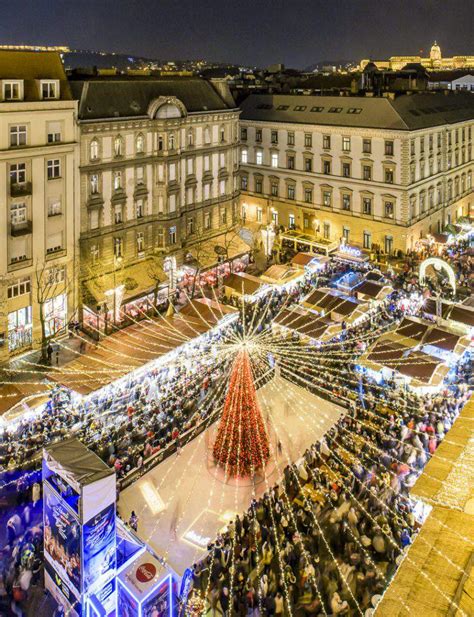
[[241, 447]]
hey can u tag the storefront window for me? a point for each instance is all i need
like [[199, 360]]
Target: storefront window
[[55, 314], [20, 328]]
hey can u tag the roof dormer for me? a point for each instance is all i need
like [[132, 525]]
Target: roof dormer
[[49, 89], [12, 90]]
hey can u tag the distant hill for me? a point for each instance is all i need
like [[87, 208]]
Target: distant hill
[[102, 60]]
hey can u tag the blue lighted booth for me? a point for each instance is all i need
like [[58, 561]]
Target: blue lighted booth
[[79, 527], [94, 565]]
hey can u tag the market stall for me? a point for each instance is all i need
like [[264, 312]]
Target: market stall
[[282, 275], [307, 324], [245, 285], [309, 262], [336, 305], [303, 242]]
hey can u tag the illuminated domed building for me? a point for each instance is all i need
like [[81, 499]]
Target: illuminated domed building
[[435, 61]]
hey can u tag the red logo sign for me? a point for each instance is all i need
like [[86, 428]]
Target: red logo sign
[[145, 572]]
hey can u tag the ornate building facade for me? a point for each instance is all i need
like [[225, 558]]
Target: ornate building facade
[[38, 167], [372, 171], [158, 173], [434, 62]]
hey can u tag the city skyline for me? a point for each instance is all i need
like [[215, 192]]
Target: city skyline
[[313, 32]]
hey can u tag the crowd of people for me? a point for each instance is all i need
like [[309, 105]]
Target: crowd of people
[[327, 538]]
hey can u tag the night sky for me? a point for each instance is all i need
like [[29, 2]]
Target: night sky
[[255, 32]]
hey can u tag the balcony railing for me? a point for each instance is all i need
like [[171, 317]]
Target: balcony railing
[[20, 189], [21, 229]]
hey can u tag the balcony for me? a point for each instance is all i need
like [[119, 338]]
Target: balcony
[[21, 229], [20, 189]]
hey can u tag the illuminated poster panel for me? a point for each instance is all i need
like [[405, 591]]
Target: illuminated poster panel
[[99, 550], [62, 539]]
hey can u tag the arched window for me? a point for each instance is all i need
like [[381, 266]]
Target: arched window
[[207, 135], [118, 146], [140, 144], [94, 150], [190, 137], [222, 134]]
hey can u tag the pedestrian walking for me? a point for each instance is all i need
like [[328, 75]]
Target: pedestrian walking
[[133, 521]]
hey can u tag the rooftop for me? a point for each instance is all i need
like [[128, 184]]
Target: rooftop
[[403, 112]]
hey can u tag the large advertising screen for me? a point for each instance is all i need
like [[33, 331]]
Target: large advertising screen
[[99, 549], [62, 539]]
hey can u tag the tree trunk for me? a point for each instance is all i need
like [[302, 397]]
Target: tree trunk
[[197, 274]]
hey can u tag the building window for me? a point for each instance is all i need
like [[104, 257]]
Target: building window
[[118, 146], [139, 175], [388, 147], [118, 214], [20, 328], [308, 196], [54, 169], [94, 150], [327, 197], [171, 141], [308, 140], [17, 214], [11, 90], [94, 219], [290, 161], [367, 240], [258, 135], [389, 210], [18, 173], [326, 231], [224, 216], [140, 242], [222, 187], [160, 143], [345, 234], [139, 208], [389, 175], [222, 134], [274, 159], [94, 253], [54, 132], [172, 203], [54, 243], [207, 162], [291, 139], [207, 136], [291, 221], [346, 144], [244, 156], [308, 164], [140, 144], [274, 137], [19, 288], [388, 244], [259, 215], [18, 135], [326, 142], [190, 140], [118, 247], [191, 226], [117, 180], [367, 205], [274, 189], [274, 217], [259, 157], [244, 181], [346, 170], [207, 220], [367, 146], [243, 134], [258, 185], [172, 172], [207, 191], [94, 184], [327, 167], [346, 201], [190, 166], [367, 172], [291, 191], [49, 90], [54, 207]]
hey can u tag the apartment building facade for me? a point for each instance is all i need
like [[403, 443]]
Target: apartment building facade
[[158, 173], [38, 147], [372, 172]]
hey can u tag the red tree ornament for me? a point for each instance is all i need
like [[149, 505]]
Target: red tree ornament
[[241, 447]]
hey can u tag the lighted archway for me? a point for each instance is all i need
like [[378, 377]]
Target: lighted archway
[[438, 264]]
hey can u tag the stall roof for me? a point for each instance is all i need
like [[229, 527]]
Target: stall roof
[[460, 313], [374, 290], [304, 259], [411, 329], [307, 324], [280, 274], [243, 283], [330, 300], [207, 311], [449, 341], [77, 461], [127, 350], [15, 398]]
